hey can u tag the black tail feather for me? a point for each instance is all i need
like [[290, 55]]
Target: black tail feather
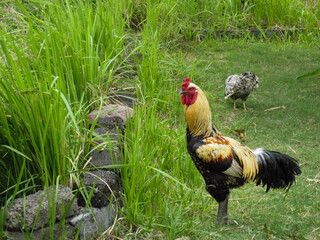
[[276, 170]]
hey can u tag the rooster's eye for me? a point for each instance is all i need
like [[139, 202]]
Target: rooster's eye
[[191, 89]]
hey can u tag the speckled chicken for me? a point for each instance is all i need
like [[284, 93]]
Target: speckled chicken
[[240, 86]]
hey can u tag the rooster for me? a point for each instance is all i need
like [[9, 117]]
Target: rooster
[[225, 163], [240, 86]]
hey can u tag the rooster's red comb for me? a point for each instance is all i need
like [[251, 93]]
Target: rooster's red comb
[[186, 83]]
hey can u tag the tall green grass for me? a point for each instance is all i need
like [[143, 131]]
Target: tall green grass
[[191, 20], [157, 169], [49, 75]]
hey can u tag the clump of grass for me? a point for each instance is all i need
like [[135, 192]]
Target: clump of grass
[[154, 194], [45, 84]]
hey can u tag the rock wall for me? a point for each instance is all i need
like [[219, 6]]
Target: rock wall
[[30, 217]]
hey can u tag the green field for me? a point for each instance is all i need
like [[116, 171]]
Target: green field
[[281, 116], [60, 61]]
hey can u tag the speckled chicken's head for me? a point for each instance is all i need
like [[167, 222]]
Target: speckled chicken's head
[[189, 92], [252, 80]]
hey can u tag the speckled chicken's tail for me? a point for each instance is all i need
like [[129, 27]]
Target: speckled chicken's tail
[[276, 170], [228, 96]]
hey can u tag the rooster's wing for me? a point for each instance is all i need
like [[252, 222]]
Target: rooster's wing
[[226, 155]]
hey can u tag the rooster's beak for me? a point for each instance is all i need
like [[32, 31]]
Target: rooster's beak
[[182, 92]]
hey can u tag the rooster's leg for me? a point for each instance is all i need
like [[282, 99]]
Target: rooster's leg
[[234, 105], [223, 211], [221, 196]]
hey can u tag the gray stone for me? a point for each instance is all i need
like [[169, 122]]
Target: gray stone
[[26, 209], [105, 186], [67, 231], [104, 134], [114, 112], [111, 123], [123, 98], [95, 221], [103, 155], [102, 158]]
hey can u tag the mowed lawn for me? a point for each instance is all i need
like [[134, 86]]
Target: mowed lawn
[[283, 115]]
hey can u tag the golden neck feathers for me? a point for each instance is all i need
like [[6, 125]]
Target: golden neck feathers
[[198, 116]]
